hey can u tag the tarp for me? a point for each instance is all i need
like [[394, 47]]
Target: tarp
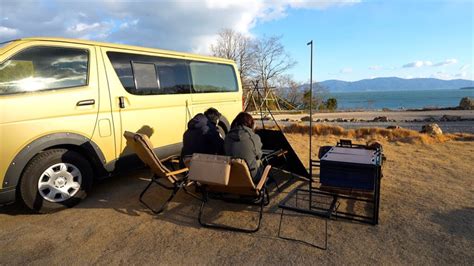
[[274, 140]]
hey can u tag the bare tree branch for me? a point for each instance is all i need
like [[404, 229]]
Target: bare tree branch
[[263, 59], [235, 46], [271, 60]]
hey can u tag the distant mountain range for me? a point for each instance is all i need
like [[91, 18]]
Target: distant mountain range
[[395, 84]]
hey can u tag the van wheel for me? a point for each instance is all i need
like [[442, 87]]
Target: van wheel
[[55, 179]]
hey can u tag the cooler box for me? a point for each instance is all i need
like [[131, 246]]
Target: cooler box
[[354, 168], [210, 169]]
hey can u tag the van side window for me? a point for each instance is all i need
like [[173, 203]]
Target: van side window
[[44, 68], [168, 76], [145, 76], [212, 77]]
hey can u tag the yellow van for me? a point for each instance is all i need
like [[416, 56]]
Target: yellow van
[[64, 105]]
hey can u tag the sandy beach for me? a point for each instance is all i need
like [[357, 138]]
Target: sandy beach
[[426, 216]]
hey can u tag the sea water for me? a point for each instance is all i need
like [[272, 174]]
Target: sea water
[[396, 100]]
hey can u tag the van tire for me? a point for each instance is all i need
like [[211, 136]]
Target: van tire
[[53, 159]]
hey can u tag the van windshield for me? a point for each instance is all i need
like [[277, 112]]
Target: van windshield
[[44, 68]]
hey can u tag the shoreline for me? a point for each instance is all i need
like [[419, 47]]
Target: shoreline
[[450, 121], [367, 116]]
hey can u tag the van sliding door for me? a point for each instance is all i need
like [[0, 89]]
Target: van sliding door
[[150, 94]]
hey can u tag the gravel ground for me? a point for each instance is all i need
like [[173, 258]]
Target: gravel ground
[[426, 217]]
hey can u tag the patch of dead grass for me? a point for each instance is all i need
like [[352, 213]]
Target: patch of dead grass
[[379, 134]]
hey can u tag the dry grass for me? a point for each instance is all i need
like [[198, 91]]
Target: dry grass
[[392, 135], [426, 214]]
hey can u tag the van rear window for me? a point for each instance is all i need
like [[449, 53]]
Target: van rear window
[[212, 77], [44, 68]]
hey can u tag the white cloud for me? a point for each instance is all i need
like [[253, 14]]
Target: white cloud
[[319, 4], [81, 27], [178, 25], [128, 24], [345, 70], [464, 67], [376, 67], [447, 62], [418, 64], [7, 32], [442, 75], [203, 43], [94, 31]]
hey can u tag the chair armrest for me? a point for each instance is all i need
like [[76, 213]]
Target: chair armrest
[[174, 161], [264, 177], [171, 157], [177, 172]]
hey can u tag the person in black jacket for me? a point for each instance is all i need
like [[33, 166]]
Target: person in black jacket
[[202, 135], [241, 142]]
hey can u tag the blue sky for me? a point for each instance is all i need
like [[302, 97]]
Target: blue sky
[[377, 38], [353, 39]]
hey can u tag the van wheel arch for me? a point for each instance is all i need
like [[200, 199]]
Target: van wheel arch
[[55, 179], [96, 163], [78, 143]]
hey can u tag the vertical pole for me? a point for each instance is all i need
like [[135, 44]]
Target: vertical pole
[[310, 124]]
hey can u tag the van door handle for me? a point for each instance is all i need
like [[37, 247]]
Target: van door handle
[[85, 102], [122, 102]]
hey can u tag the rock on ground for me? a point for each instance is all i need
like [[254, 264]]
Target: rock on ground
[[431, 129], [380, 119], [450, 118], [305, 118], [466, 103]]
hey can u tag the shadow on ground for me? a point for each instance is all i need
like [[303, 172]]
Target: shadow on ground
[[457, 222], [121, 193]]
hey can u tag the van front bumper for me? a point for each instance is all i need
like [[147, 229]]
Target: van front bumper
[[7, 195]]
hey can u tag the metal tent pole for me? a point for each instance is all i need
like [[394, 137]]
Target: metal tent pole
[[310, 123]]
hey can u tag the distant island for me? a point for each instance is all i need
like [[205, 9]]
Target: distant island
[[395, 84], [467, 88]]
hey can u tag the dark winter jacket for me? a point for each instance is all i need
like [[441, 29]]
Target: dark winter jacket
[[241, 142], [201, 137]]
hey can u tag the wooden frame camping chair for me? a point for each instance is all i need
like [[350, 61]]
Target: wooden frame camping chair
[[236, 181], [142, 146]]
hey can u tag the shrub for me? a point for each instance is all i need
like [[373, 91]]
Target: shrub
[[331, 104]]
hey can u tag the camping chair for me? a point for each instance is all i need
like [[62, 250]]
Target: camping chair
[[345, 143], [239, 183], [144, 149]]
